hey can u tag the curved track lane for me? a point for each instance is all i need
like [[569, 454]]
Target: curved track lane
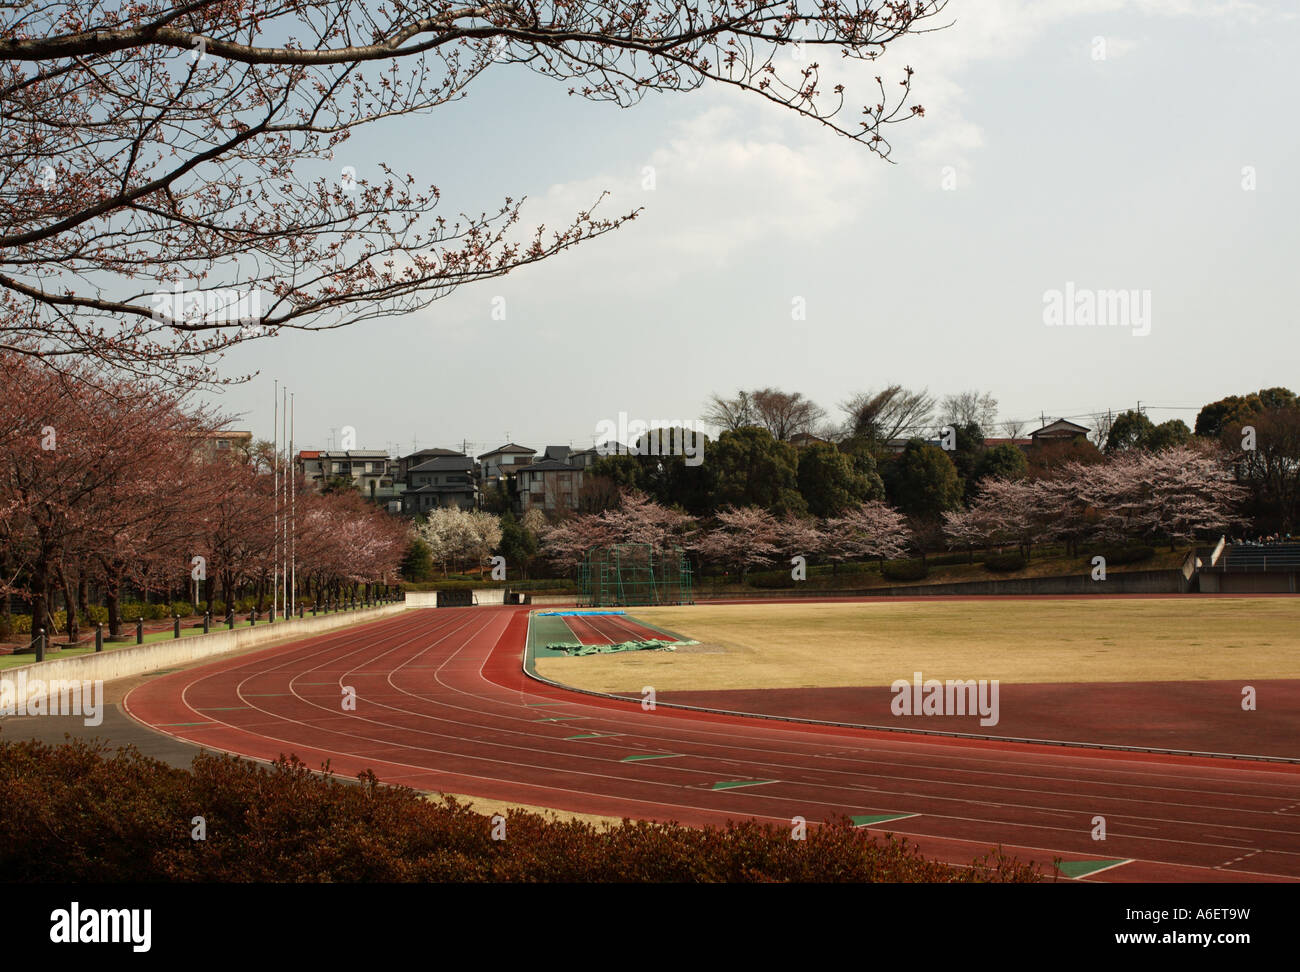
[[442, 704]]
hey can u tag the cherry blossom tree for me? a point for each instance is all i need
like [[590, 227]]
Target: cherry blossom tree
[[454, 535], [154, 147], [744, 538], [639, 519], [566, 542], [873, 529]]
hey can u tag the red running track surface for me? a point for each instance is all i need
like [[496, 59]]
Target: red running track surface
[[606, 629], [442, 704]]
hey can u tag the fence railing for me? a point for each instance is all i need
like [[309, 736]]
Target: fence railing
[[1264, 557]]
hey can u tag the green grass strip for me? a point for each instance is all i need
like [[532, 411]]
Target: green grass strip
[[1076, 869], [734, 784], [875, 818], [635, 759]]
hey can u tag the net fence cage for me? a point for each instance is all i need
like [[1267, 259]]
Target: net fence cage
[[634, 573]]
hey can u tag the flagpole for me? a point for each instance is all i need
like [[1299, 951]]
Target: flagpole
[[284, 520], [275, 496], [293, 518]]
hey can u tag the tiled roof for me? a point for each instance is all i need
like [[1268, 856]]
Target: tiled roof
[[509, 447]]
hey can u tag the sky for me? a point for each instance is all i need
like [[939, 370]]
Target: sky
[[1069, 148]]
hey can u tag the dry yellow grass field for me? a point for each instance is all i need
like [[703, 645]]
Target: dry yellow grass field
[[1044, 640]]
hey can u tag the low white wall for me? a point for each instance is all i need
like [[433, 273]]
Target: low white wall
[[140, 659], [487, 595]]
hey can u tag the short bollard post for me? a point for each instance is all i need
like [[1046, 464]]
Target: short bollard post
[[207, 621], [40, 645], [302, 610], [230, 619], [139, 631], [99, 637], [176, 626], [252, 618]]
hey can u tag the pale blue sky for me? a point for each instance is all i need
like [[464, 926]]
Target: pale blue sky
[[1123, 173]]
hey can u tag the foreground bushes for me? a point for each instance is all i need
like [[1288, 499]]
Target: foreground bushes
[[79, 812]]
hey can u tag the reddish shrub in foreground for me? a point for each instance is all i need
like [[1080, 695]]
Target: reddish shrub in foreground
[[80, 812]]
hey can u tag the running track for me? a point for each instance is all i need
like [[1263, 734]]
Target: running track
[[442, 704]]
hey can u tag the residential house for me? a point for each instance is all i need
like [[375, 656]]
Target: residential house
[[369, 470], [439, 482], [1058, 431], [225, 443], [499, 464], [548, 485], [404, 464], [585, 459]]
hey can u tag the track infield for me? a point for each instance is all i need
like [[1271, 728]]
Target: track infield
[[1162, 673]]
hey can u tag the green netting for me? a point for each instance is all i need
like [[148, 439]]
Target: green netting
[[634, 573], [652, 644]]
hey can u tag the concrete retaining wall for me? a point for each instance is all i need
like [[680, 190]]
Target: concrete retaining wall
[[141, 659], [1249, 582]]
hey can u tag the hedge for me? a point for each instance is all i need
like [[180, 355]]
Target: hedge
[[80, 812], [1005, 562], [905, 570], [1125, 555]]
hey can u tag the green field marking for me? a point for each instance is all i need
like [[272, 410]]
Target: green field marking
[[733, 784], [1078, 869], [561, 719], [546, 630], [866, 820], [635, 759], [161, 671], [594, 735]]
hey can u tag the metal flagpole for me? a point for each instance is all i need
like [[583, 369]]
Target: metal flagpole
[[284, 520], [275, 497], [293, 520]]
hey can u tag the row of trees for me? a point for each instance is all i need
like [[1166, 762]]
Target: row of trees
[[949, 456], [104, 494], [743, 538], [1179, 494]]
